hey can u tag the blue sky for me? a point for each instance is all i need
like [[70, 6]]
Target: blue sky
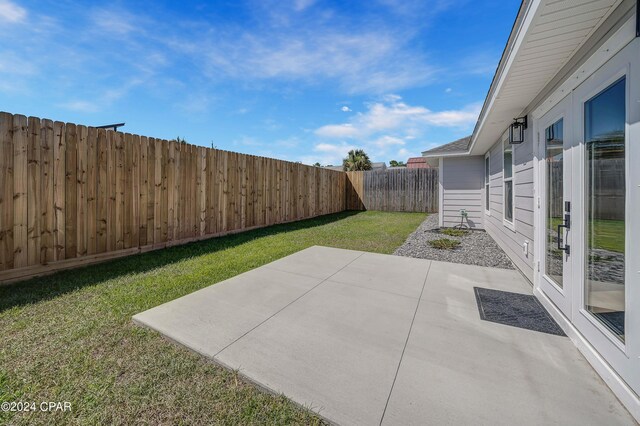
[[301, 80]]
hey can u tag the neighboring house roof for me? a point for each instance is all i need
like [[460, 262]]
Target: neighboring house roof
[[413, 160], [540, 28], [336, 168], [461, 145]]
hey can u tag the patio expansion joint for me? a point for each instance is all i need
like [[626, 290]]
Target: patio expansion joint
[[372, 289], [303, 275], [415, 312], [286, 306]]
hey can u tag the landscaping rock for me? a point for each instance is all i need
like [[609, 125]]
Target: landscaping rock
[[476, 247]]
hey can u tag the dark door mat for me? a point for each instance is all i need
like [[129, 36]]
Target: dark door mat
[[516, 310], [615, 321]]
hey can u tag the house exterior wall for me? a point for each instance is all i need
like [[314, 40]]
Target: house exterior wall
[[456, 171], [517, 239], [618, 368], [462, 185]]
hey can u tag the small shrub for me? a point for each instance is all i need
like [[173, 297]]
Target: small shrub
[[444, 244], [454, 232]]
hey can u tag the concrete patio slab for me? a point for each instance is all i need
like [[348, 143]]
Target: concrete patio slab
[[210, 319], [317, 262], [399, 275], [337, 351], [452, 284], [369, 339], [499, 374]]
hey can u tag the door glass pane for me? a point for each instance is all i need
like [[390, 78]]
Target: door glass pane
[[554, 192], [605, 203]]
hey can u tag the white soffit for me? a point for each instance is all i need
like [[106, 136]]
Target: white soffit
[[552, 32]]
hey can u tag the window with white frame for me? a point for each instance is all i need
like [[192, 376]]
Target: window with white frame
[[507, 177], [487, 177]]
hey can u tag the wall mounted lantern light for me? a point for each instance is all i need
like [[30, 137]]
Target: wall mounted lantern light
[[516, 130]]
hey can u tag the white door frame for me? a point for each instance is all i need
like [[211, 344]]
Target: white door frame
[[619, 368], [623, 357], [561, 297]]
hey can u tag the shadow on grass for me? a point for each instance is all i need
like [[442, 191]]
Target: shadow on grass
[[50, 286]]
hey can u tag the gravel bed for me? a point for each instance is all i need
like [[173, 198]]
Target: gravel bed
[[476, 248]]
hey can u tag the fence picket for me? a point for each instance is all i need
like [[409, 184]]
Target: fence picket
[[392, 190], [72, 195]]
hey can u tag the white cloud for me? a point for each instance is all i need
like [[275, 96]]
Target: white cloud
[[194, 103], [104, 100], [390, 129], [448, 90], [300, 5], [403, 153], [346, 130], [392, 115], [16, 64], [114, 22], [248, 141], [11, 12], [387, 141], [80, 106], [363, 61], [345, 109], [341, 149], [271, 124], [456, 118]]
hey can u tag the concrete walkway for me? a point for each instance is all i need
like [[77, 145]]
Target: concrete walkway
[[370, 339]]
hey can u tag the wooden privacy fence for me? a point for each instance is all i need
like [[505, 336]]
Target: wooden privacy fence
[[72, 195], [607, 186], [405, 190]]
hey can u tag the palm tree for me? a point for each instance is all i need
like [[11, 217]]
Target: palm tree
[[356, 160]]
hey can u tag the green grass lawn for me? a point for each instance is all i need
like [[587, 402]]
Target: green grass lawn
[[608, 234], [69, 336]]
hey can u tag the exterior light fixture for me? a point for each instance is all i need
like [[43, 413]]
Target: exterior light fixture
[[516, 130]]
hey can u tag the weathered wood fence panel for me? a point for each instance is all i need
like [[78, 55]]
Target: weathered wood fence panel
[[398, 190], [72, 195]]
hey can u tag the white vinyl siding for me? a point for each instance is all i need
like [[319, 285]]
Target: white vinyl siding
[[463, 188], [512, 239]]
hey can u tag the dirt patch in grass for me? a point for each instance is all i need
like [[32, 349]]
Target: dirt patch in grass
[[69, 336]]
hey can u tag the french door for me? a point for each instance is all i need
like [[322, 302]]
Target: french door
[[555, 151], [605, 303], [589, 213]]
